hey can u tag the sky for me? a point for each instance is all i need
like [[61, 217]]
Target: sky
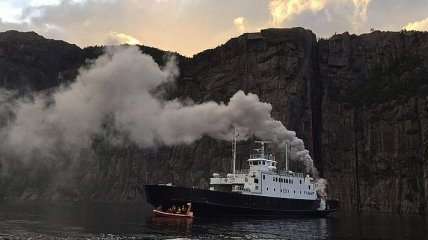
[[191, 26]]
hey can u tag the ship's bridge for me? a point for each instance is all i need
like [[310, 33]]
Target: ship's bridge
[[260, 161]]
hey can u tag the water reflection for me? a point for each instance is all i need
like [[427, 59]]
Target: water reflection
[[113, 220], [176, 224]]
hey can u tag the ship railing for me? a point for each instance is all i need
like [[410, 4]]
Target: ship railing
[[262, 156], [242, 171], [290, 174], [228, 174]]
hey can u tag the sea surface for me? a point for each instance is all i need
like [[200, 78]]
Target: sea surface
[[71, 220]]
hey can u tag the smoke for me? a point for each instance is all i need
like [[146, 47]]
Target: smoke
[[122, 85], [320, 187]]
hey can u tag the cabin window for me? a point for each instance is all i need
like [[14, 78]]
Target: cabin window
[[274, 189], [267, 189], [286, 180], [256, 180], [263, 177], [264, 163], [257, 187], [309, 187], [294, 191], [300, 181]]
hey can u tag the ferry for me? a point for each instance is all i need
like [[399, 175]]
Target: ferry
[[260, 190]]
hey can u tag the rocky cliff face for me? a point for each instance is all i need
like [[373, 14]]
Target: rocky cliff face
[[358, 102], [30, 62], [374, 115]]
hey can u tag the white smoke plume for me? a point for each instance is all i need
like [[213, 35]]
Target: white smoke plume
[[121, 84]]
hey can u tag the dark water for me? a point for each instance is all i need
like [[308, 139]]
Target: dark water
[[52, 220]]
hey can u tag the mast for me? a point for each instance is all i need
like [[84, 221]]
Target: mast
[[286, 157], [234, 150]]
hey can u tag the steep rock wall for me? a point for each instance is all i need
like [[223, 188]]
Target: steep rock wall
[[374, 115]]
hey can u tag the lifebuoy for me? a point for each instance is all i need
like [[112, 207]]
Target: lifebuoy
[[246, 179]]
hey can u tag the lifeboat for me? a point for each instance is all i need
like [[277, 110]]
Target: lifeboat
[[159, 213]]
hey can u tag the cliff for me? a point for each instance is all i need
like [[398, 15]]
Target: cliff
[[374, 118], [358, 102]]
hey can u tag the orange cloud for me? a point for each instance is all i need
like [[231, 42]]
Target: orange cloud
[[418, 25], [360, 13], [122, 38], [283, 10], [239, 23]]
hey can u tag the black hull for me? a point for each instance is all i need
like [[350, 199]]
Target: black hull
[[214, 203]]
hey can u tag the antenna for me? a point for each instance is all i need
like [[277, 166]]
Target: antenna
[[262, 143], [286, 156], [234, 149]]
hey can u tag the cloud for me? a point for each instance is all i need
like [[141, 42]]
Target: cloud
[[167, 24], [121, 38], [360, 13], [239, 23], [421, 25], [284, 10]]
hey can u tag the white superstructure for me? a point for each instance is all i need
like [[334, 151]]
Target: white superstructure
[[262, 178]]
